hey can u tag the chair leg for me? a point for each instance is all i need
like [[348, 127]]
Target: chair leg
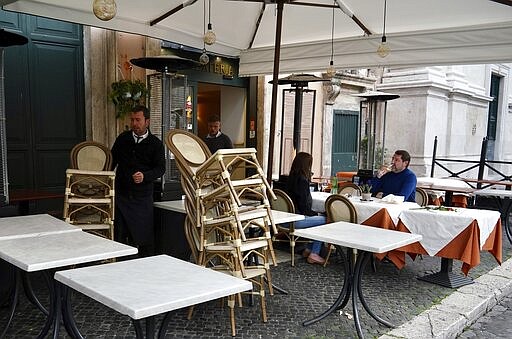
[[292, 249], [231, 304], [239, 297], [263, 302], [190, 312], [328, 255]]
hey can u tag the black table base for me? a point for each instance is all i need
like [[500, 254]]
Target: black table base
[[21, 281], [446, 277], [352, 287]]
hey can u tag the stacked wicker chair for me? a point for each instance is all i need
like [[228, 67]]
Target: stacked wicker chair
[[89, 195], [229, 220]]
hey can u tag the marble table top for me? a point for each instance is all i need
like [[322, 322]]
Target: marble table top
[[33, 226], [60, 249], [151, 285], [366, 238], [279, 217]]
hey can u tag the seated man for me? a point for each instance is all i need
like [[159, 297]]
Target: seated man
[[397, 180]]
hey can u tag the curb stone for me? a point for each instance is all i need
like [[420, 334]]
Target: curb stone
[[459, 310]]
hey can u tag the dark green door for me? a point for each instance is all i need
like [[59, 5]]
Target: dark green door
[[492, 118], [344, 141], [44, 99]]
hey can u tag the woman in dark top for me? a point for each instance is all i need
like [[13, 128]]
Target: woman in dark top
[[298, 189]]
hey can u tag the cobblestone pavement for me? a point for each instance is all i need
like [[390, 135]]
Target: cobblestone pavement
[[494, 324], [395, 295]]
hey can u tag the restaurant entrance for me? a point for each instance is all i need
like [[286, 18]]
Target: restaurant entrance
[[229, 103]]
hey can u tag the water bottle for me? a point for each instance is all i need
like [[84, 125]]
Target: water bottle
[[334, 185]]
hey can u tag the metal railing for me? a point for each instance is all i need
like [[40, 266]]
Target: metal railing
[[482, 164]]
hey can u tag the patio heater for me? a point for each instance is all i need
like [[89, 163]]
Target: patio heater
[[6, 39], [372, 129], [297, 133], [167, 103]]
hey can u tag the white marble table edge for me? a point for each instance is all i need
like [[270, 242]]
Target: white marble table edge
[[361, 237], [59, 223], [70, 279], [119, 250]]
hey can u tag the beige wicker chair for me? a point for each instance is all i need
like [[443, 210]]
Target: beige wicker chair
[[91, 155], [350, 189], [284, 203], [421, 197], [89, 194], [217, 221]]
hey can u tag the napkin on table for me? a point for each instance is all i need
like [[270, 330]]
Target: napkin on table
[[393, 199]]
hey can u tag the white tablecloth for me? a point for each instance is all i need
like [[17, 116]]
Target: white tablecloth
[[438, 228], [365, 209]]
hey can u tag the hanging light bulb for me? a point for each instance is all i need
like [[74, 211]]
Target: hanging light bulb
[[104, 9], [331, 71], [204, 58], [383, 50], [209, 37]]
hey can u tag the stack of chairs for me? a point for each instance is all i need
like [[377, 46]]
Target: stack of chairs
[[229, 221], [89, 195]]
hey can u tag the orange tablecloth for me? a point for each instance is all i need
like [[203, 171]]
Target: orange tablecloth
[[464, 247]]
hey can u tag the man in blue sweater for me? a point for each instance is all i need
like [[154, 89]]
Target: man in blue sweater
[[397, 180]]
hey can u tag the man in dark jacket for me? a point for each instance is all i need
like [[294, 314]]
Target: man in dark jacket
[[215, 139], [139, 157]]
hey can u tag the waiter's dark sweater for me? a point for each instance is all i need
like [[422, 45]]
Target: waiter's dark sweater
[[146, 157]]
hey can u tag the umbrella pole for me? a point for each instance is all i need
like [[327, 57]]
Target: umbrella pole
[[273, 109]]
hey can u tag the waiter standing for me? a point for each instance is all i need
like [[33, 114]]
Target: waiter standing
[[139, 157]]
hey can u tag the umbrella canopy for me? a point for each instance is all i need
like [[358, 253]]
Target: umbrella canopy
[[419, 32]]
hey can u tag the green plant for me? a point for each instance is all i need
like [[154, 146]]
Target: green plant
[[365, 188], [126, 94]]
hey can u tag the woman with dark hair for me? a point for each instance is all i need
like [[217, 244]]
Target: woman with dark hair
[[298, 189]]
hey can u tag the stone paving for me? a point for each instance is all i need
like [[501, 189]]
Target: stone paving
[[494, 324], [395, 295]]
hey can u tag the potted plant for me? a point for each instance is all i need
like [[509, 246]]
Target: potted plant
[[126, 94], [366, 192]]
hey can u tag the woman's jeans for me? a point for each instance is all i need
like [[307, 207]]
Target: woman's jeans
[[312, 221]]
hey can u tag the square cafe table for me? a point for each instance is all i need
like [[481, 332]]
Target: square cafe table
[[451, 234], [151, 286], [33, 226], [30, 226], [49, 252], [366, 240]]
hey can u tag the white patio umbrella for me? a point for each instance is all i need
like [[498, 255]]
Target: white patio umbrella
[[419, 32]]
